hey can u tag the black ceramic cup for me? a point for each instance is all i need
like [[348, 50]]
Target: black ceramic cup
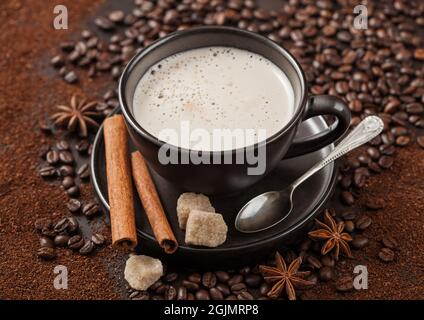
[[216, 178]]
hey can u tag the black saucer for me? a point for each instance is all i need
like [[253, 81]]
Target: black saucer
[[239, 248]]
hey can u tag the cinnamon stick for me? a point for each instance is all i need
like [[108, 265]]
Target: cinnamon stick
[[119, 183], [152, 205]]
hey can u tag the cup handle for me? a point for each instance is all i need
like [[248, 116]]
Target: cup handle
[[322, 105]]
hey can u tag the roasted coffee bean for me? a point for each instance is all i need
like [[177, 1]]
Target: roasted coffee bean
[[216, 294], [52, 157], [84, 171], [238, 287], [359, 241], [66, 157], [162, 289], [245, 295], [143, 295], [375, 203], [363, 222], [91, 209], [344, 284], [347, 198], [48, 231], [133, 295], [47, 172], [75, 242], [42, 223], [46, 242], [359, 179], [349, 226], [87, 248], [171, 293], [170, 277], [191, 286], [82, 146], [157, 298], [223, 288], [156, 285], [202, 294], [390, 242], [403, 141], [235, 279], [116, 16], [373, 153], [73, 225], [61, 240], [326, 273], [209, 279], [71, 77], [253, 280], [195, 277], [73, 191], [420, 141], [66, 170], [46, 253], [104, 23], [222, 276], [346, 182], [364, 159], [68, 182], [231, 297], [328, 261], [385, 162], [57, 61], [61, 225], [314, 262], [386, 255], [73, 205], [264, 288], [182, 293], [98, 239], [387, 149]]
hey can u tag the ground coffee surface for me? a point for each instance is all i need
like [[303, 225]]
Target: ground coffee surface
[[28, 93]]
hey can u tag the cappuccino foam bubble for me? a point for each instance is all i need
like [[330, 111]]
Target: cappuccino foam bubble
[[214, 88]]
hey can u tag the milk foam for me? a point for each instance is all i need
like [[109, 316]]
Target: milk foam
[[214, 88]]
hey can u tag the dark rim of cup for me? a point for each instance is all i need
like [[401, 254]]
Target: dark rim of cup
[[209, 29]]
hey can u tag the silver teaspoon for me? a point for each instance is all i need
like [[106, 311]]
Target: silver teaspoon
[[270, 208]]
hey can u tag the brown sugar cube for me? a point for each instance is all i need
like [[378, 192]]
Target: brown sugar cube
[[191, 201], [205, 229], [142, 271]]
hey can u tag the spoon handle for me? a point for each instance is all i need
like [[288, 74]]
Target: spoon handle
[[366, 130]]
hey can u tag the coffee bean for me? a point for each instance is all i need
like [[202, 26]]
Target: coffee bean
[[48, 231], [209, 279], [75, 242], [231, 297], [87, 248], [157, 298], [385, 162], [216, 294], [326, 273], [57, 61], [84, 171], [264, 288], [328, 261], [104, 23], [66, 170], [195, 277], [116, 16], [171, 293], [170, 277], [191, 286], [66, 157], [235, 279], [253, 280], [52, 157], [143, 296], [133, 295], [73, 191], [238, 287], [348, 215], [375, 203], [182, 293], [162, 289], [73, 205], [98, 239], [386, 255], [363, 222], [61, 240], [349, 226], [390, 242], [90, 209], [223, 288], [68, 182], [387, 149], [245, 270], [47, 172], [73, 225], [420, 141], [46, 242], [314, 262], [347, 198], [346, 182], [61, 225], [202, 294], [222, 276], [46, 253], [344, 284], [82, 146], [245, 295], [156, 285], [71, 77], [359, 241]]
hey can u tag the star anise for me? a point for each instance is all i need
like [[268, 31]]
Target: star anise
[[285, 278], [333, 233], [78, 116]]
